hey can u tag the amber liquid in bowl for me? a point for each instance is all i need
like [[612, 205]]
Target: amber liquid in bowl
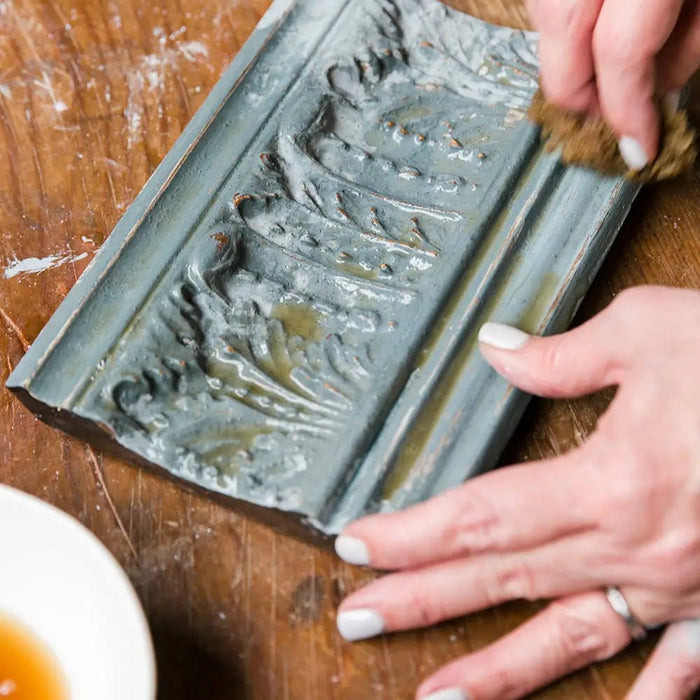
[[28, 669]]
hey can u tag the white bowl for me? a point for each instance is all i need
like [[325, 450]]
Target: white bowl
[[61, 582]]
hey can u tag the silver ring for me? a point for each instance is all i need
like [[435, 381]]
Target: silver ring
[[619, 604]]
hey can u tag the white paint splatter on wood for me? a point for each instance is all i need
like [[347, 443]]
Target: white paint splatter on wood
[[192, 50], [35, 266]]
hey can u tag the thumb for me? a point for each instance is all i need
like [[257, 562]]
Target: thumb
[[572, 364]]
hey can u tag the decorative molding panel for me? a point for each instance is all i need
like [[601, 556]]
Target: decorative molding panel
[[287, 314]]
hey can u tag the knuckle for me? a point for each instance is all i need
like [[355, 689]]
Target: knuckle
[[504, 683], [579, 637], [648, 299], [623, 507], [682, 638], [514, 582], [425, 610], [676, 552], [672, 566], [571, 19], [476, 527], [610, 47], [580, 20], [554, 360], [650, 314], [631, 300], [559, 89], [684, 673], [554, 86]]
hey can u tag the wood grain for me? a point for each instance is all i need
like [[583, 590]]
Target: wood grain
[[92, 95]]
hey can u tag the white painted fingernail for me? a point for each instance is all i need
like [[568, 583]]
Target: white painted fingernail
[[352, 550], [448, 694], [672, 102], [692, 631], [683, 639], [633, 153], [354, 625], [502, 337]]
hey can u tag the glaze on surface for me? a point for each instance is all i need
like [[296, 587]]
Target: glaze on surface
[[333, 275], [284, 324]]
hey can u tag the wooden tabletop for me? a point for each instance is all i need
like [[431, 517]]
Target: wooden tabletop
[[92, 95]]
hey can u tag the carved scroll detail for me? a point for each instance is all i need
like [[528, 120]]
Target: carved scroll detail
[[278, 332]]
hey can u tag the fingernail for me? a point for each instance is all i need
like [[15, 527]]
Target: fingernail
[[502, 337], [691, 628], [633, 153], [354, 625], [672, 102], [683, 639], [448, 694], [352, 550]]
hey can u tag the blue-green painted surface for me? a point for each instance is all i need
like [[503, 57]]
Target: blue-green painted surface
[[287, 314]]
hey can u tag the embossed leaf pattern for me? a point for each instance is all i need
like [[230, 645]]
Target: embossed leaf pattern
[[276, 326]]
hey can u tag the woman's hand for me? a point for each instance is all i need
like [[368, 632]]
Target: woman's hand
[[614, 58], [622, 510]]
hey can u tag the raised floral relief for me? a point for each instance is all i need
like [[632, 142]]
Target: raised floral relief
[[282, 327]]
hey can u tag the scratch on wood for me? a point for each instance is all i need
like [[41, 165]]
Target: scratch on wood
[[599, 682], [389, 668], [273, 615], [15, 329], [99, 477]]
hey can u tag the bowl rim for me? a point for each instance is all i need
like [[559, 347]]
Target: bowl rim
[[73, 529]]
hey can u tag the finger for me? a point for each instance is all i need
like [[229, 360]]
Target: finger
[[680, 58], [424, 597], [673, 670], [567, 72], [575, 363], [491, 513], [570, 634], [625, 47]]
